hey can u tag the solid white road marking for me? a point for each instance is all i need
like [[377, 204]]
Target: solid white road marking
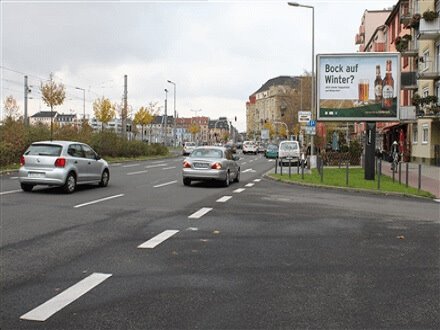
[[257, 180], [168, 168], [156, 240], [250, 185], [50, 307], [224, 199], [138, 172], [239, 190], [9, 192], [200, 213], [165, 184], [157, 165], [98, 200], [130, 165]]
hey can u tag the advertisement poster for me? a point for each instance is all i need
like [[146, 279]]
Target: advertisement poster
[[358, 87]]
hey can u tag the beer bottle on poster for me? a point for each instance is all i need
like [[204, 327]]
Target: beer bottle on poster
[[388, 88], [378, 86]]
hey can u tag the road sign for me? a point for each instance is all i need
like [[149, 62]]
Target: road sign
[[311, 130], [304, 116], [311, 123], [265, 134]]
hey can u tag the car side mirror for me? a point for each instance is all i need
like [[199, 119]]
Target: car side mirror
[[97, 157]]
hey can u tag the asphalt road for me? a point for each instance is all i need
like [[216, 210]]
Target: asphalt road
[[149, 253]]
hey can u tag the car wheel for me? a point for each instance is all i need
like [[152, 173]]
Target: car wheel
[[26, 187], [237, 178], [227, 180], [105, 177], [70, 185], [186, 181]]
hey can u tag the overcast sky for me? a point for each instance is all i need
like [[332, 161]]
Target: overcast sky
[[217, 52]]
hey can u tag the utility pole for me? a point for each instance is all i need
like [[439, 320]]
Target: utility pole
[[26, 91], [124, 110], [165, 120], [175, 113]]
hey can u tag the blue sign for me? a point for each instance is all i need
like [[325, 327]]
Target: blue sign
[[311, 123]]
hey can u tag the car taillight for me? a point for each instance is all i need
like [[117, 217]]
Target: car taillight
[[186, 164], [60, 162], [22, 162], [216, 166]]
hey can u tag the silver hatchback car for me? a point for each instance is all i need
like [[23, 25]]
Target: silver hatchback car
[[62, 163], [211, 163]]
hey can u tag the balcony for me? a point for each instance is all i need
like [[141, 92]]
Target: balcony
[[408, 113], [405, 12], [428, 71], [429, 30]]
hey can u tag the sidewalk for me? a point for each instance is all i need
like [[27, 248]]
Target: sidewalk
[[430, 180]]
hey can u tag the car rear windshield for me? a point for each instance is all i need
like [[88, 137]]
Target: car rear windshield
[[288, 146], [207, 153], [190, 144], [44, 150]]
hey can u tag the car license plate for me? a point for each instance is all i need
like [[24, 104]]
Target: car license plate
[[201, 165], [35, 175]]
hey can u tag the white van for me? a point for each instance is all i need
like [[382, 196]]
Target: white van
[[288, 150]]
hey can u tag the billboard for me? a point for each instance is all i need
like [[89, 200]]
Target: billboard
[[358, 87]]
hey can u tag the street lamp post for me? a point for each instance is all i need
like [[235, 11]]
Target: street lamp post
[[84, 102], [175, 113], [312, 145], [165, 121]]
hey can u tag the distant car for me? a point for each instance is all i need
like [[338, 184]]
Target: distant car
[[271, 151], [249, 147], [211, 163], [239, 145], [188, 147], [62, 163], [288, 150], [261, 147]]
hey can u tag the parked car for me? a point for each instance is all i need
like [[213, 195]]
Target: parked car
[[261, 147], [271, 151], [288, 150], [62, 163], [249, 147], [188, 147], [211, 163]]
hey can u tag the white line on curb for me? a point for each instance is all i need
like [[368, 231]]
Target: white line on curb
[[156, 240], [224, 199], [9, 192], [50, 307], [239, 190], [98, 200], [200, 213], [165, 184], [138, 172]]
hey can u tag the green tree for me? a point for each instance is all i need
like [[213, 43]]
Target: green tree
[[143, 117], [104, 110], [53, 94]]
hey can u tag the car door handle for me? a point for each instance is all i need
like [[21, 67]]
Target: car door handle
[[76, 162], [90, 163]]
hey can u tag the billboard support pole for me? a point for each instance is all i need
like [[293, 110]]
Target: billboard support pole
[[370, 147]]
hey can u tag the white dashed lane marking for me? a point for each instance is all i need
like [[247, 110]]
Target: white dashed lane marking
[[250, 185], [257, 180], [156, 240], [98, 201], [224, 199], [156, 165], [168, 168], [138, 172], [200, 213], [50, 307], [9, 192], [165, 184], [130, 165], [239, 190]]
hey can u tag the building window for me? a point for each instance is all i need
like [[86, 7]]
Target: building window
[[425, 134], [425, 61], [425, 92], [415, 131]]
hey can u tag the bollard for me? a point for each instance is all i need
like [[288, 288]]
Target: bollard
[[407, 165], [290, 163], [281, 166], [420, 177], [297, 166], [339, 162], [322, 172], [379, 172], [400, 173], [302, 170], [346, 174], [394, 172], [276, 165]]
